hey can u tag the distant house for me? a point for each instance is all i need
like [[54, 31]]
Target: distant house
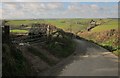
[[92, 24]]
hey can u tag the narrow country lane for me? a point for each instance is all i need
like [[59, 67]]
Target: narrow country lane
[[90, 60]]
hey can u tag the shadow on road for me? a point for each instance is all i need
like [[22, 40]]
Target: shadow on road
[[83, 48]]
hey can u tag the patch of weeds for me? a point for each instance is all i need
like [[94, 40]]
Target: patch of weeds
[[39, 54], [61, 47], [14, 64]]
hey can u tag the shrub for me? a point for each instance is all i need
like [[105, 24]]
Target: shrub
[[61, 46], [14, 64]]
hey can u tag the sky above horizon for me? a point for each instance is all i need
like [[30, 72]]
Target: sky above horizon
[[41, 10], [60, 0]]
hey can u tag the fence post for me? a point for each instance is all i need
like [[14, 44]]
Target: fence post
[[6, 33]]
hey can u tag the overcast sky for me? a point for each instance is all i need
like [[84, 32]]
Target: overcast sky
[[60, 0], [26, 10]]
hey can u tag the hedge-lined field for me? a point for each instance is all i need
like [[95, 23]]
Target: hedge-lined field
[[66, 24], [74, 26]]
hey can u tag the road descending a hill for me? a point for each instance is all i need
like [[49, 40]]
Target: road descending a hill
[[89, 60]]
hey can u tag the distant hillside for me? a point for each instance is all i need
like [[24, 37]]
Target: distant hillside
[[71, 25], [112, 24], [105, 35], [101, 29]]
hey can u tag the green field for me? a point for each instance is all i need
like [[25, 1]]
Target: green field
[[19, 22], [107, 26], [65, 24], [18, 31]]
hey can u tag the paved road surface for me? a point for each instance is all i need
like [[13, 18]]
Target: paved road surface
[[90, 60]]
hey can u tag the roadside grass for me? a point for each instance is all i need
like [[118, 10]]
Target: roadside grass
[[108, 42], [109, 39], [14, 64], [117, 52], [40, 55], [114, 50]]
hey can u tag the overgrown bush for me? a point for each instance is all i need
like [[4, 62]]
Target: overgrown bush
[[107, 39], [40, 55], [61, 46], [13, 62]]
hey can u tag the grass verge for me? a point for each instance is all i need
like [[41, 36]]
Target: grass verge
[[40, 55], [14, 64]]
